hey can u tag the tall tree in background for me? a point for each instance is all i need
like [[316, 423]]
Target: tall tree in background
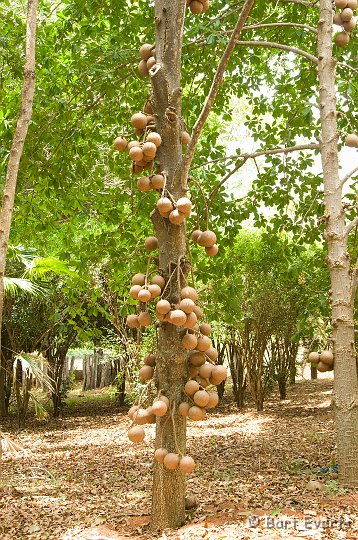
[[343, 273], [17, 146]]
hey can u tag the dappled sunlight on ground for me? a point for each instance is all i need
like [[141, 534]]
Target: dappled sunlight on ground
[[85, 476]]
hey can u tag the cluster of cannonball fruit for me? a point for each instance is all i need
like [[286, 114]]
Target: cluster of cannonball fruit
[[141, 416], [345, 19], [175, 211], [144, 292], [147, 54], [324, 360], [206, 239], [143, 153], [198, 6]]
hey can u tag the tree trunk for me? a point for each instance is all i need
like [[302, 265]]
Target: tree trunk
[[314, 373], [168, 503], [28, 90], [343, 280]]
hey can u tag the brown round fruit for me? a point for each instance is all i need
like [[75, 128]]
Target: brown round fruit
[[346, 14], [143, 69], [139, 121], [149, 149], [134, 290], [177, 317], [213, 400], [151, 62], [133, 144], [191, 320], [176, 217], [120, 144], [203, 382], [205, 5], [187, 464], [184, 206], [164, 205], [157, 181], [144, 184], [201, 398], [337, 19], [163, 398], [185, 138], [132, 410], [204, 343], [341, 4], [205, 329], [136, 154], [141, 417], [350, 25], [189, 292], [146, 373], [138, 279], [154, 290], [158, 280], [159, 408], [352, 4], [196, 413], [205, 371], [144, 295], [197, 359], [323, 367], [189, 342], [145, 318], [187, 305], [160, 454], [155, 138], [218, 375], [193, 371], [145, 51], [171, 461], [149, 359], [132, 321], [327, 358], [195, 235], [183, 409], [151, 243], [191, 387], [212, 354], [207, 239], [198, 312], [313, 357], [136, 434], [351, 140], [212, 251], [341, 39], [163, 307]]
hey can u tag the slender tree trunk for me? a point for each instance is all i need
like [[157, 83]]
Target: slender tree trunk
[[168, 504], [343, 280], [23, 122]]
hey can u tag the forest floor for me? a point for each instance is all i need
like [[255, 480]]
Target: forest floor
[[257, 475]]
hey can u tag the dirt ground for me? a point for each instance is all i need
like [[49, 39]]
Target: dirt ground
[[257, 475]]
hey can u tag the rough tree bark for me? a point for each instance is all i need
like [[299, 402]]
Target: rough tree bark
[[343, 277], [17, 146], [168, 503]]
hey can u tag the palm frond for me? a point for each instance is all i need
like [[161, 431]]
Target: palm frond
[[40, 266], [34, 362], [13, 286], [8, 444], [40, 411], [21, 254]]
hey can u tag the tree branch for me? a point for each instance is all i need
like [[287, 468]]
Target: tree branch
[[218, 77], [312, 146], [351, 226], [245, 157], [288, 24], [274, 45], [348, 176]]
